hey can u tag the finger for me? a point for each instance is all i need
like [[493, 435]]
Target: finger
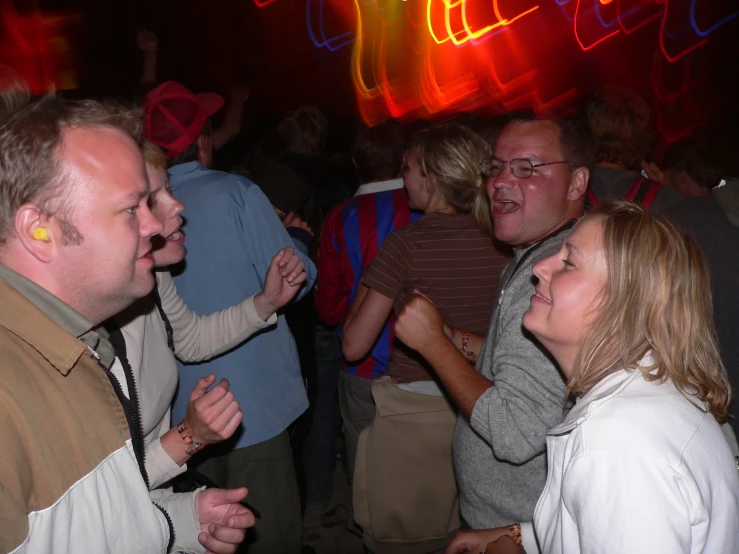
[[289, 265], [213, 545], [227, 496], [277, 258], [241, 519], [214, 395], [299, 280], [419, 293], [221, 406], [287, 254], [462, 543], [299, 269], [201, 387], [228, 535], [221, 422], [232, 425]]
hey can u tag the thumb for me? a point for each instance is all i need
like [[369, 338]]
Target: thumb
[[201, 387], [228, 496]]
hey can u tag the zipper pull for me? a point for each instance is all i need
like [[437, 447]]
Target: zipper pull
[[94, 355]]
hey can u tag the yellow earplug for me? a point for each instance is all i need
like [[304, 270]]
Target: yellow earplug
[[39, 233]]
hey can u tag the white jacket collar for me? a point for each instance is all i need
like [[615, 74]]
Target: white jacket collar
[[606, 389]]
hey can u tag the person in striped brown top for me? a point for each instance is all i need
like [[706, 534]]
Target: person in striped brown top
[[404, 457]]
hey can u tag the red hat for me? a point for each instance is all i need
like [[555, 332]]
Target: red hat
[[174, 116]]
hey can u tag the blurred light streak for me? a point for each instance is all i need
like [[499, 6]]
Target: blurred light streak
[[712, 28], [467, 30], [630, 30], [597, 42], [263, 3], [331, 43], [35, 46], [685, 51], [450, 60]]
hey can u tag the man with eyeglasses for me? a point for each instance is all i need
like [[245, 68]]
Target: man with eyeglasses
[[536, 185]]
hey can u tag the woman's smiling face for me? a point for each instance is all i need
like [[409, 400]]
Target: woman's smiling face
[[167, 248], [569, 292]]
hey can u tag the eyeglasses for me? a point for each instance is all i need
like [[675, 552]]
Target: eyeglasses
[[520, 167]]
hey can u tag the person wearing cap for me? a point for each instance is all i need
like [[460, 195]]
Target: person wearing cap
[[233, 233]]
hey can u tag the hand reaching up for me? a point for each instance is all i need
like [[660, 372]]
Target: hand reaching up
[[285, 276], [147, 41]]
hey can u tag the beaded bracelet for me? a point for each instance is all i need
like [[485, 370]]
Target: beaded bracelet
[[192, 446], [465, 342], [515, 531]]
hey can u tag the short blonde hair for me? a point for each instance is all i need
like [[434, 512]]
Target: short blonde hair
[[153, 155], [450, 155], [657, 300]]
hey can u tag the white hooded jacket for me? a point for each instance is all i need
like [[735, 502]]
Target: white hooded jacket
[[636, 467]]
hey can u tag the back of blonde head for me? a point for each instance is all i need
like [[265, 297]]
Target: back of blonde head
[[450, 154], [658, 300]]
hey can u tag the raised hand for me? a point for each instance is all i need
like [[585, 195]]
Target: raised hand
[[147, 41], [212, 415], [285, 275], [239, 94], [223, 521]]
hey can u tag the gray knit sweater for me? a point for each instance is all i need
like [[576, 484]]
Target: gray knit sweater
[[500, 454]]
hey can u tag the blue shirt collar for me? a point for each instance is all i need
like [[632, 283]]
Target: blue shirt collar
[[185, 168]]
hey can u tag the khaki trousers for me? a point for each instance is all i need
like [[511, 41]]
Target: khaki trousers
[[405, 494]]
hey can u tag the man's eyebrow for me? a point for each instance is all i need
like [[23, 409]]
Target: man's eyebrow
[[135, 196]]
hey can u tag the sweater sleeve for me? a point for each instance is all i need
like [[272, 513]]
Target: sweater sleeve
[[182, 510], [198, 338], [160, 467], [625, 502], [528, 395]]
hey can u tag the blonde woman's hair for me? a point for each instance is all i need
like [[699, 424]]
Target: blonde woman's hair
[[657, 300], [450, 155], [153, 155]]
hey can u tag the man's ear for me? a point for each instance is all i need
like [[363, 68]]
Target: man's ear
[[578, 184], [204, 144], [37, 234]]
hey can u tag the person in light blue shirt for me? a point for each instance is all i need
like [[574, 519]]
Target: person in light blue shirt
[[232, 235]]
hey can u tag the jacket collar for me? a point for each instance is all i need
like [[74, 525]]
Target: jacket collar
[[601, 393], [24, 318]]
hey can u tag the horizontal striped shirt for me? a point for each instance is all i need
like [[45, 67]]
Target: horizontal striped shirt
[[450, 260]]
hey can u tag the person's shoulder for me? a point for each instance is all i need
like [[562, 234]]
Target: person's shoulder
[[647, 418]]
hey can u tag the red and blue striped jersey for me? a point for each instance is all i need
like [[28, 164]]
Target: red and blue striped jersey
[[352, 234]]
